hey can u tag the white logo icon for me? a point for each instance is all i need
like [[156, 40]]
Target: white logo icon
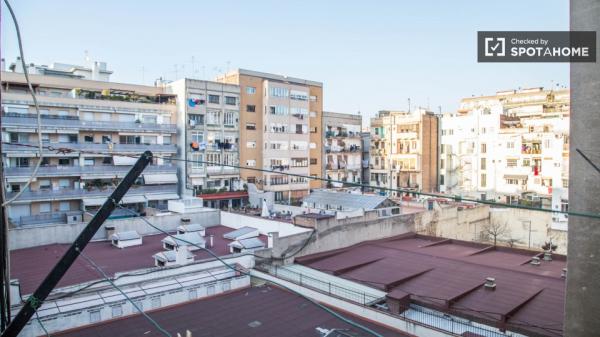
[[494, 46]]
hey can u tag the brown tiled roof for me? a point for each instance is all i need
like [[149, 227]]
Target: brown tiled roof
[[448, 275], [31, 265], [261, 311]]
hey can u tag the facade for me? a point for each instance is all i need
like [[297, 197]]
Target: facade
[[280, 129], [116, 120], [342, 145], [208, 122], [511, 147], [404, 150]]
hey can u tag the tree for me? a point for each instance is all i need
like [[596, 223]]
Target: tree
[[494, 230]]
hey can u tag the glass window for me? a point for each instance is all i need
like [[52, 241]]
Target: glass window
[[250, 126], [45, 207], [94, 316], [251, 162], [197, 160], [229, 118], [250, 90], [215, 99], [197, 137], [166, 140], [251, 144], [230, 100], [250, 108], [279, 92], [155, 301], [117, 311], [149, 119]]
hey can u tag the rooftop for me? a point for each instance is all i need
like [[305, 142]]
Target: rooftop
[[448, 275], [31, 265], [348, 201], [281, 314]]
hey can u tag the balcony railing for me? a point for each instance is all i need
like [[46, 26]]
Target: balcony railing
[[46, 218], [80, 193], [57, 171], [73, 122], [118, 148]]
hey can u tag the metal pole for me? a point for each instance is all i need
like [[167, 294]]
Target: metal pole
[[61, 268]]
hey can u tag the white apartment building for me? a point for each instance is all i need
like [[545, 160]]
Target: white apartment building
[[81, 114], [342, 144], [511, 147], [208, 120]]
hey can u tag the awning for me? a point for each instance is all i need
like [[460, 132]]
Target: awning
[[165, 178], [162, 196], [515, 176], [122, 160], [94, 201], [134, 199]]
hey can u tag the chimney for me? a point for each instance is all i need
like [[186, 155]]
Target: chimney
[[548, 255], [535, 261], [563, 273], [490, 283], [181, 255], [211, 241], [273, 236]]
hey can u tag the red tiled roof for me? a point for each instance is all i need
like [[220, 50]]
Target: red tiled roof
[[224, 195], [449, 275], [262, 311], [31, 265]]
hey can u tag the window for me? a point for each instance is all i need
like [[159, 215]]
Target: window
[[299, 95], [213, 117], [94, 316], [229, 118], [526, 162], [197, 137], [483, 180], [251, 108], [117, 310], [251, 162], [215, 99], [196, 119], [511, 162], [510, 145], [106, 139], [149, 139], [299, 162], [107, 161], [279, 110], [139, 304], [565, 183], [483, 163], [155, 302], [44, 184], [22, 162], [250, 126], [441, 179], [166, 140], [226, 285], [251, 180], [314, 129], [130, 140], [483, 148], [210, 290], [313, 161], [250, 90], [548, 143], [230, 100], [213, 159], [64, 161], [88, 139], [279, 92], [45, 207], [149, 119], [64, 183], [442, 161], [251, 144], [197, 159]]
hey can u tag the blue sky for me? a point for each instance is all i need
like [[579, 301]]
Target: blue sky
[[370, 55]]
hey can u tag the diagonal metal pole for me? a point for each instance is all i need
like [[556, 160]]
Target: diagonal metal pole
[[59, 270]]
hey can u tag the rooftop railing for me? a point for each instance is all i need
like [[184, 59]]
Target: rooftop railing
[[80, 193], [50, 171], [110, 147]]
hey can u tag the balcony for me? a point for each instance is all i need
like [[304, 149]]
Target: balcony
[[80, 193], [109, 148], [46, 218], [93, 171]]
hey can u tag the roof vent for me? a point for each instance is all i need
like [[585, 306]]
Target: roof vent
[[490, 283], [535, 261], [548, 255], [563, 273]]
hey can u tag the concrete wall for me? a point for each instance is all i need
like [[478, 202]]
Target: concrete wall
[[44, 235], [264, 226], [334, 233]]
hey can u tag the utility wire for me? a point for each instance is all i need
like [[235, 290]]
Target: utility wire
[[588, 160], [457, 198], [41, 324], [161, 329], [35, 102], [328, 310]]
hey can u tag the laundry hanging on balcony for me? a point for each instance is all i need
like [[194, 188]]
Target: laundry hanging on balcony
[[192, 102]]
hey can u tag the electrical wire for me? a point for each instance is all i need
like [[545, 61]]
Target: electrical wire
[[328, 310], [90, 261], [35, 102], [41, 324], [457, 198]]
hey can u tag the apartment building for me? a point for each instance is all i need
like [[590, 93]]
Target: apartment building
[[342, 144], [404, 150], [208, 120], [511, 147], [82, 114], [280, 129]]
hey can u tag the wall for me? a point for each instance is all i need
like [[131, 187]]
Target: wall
[[44, 235], [264, 226]]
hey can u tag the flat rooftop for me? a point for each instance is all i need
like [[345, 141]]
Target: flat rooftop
[[448, 275], [31, 265], [258, 311]]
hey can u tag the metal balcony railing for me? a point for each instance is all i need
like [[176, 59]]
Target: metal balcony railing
[[46, 218], [56, 171], [79, 193], [73, 122], [118, 148]]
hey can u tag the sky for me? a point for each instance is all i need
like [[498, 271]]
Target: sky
[[370, 55]]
